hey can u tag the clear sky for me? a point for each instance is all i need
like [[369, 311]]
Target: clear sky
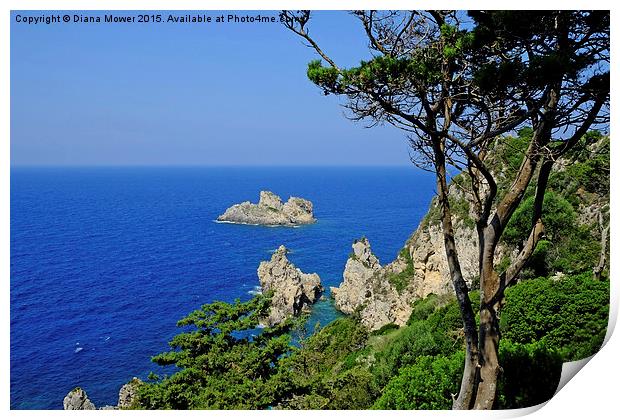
[[185, 94]]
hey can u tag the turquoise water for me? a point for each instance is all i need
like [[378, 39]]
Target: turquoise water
[[104, 261]]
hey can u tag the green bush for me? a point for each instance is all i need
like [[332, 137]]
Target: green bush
[[348, 390], [418, 338], [569, 314], [428, 384], [387, 328], [325, 372], [352, 389], [558, 217], [421, 309], [588, 170], [566, 247], [330, 345], [530, 374], [447, 317], [575, 253]]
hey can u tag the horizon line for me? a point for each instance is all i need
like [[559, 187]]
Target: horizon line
[[222, 166]]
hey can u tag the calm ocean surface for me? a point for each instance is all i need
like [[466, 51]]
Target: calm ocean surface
[[104, 261]]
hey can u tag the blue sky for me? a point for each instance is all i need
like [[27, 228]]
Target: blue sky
[[185, 94]]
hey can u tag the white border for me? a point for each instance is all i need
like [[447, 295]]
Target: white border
[[591, 394]]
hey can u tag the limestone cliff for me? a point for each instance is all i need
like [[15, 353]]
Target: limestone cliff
[[385, 294], [128, 394], [293, 291], [270, 211]]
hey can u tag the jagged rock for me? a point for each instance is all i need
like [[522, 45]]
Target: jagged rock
[[293, 291], [270, 211], [366, 288], [356, 287], [128, 393], [427, 249], [77, 400]]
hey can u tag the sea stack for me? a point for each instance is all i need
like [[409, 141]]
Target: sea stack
[[270, 211], [77, 400], [293, 291]]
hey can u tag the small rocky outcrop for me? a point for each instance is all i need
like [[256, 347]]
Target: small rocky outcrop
[[270, 211], [293, 291], [128, 394], [77, 400]]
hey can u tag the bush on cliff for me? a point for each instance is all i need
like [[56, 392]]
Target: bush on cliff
[[324, 372]]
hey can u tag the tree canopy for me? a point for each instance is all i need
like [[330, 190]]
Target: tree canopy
[[455, 83]]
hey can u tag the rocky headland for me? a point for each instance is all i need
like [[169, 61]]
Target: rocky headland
[[293, 291], [270, 211], [385, 294]]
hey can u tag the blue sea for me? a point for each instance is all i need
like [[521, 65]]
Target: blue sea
[[104, 261]]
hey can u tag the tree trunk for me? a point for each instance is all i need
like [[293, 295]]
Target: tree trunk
[[466, 394], [492, 286], [598, 270], [489, 325]]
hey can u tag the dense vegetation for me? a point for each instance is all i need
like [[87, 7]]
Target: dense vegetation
[[344, 366], [581, 181]]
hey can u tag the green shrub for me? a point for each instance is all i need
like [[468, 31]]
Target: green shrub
[[428, 384], [417, 339], [558, 217], [574, 253], [387, 328], [352, 389], [530, 374], [421, 309], [325, 372], [459, 207], [588, 170], [401, 280], [447, 318], [569, 314], [334, 341]]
